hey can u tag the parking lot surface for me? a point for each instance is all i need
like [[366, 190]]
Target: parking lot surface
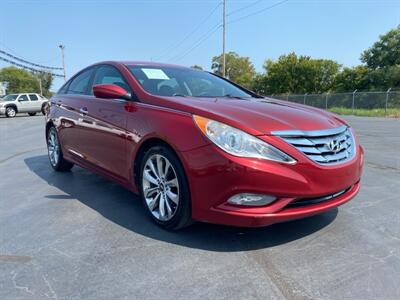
[[78, 236]]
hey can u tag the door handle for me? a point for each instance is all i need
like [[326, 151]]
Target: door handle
[[83, 111]]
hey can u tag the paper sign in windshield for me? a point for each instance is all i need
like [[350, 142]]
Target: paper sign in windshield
[[155, 74]]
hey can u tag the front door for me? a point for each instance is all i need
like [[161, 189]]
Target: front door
[[24, 105], [104, 127]]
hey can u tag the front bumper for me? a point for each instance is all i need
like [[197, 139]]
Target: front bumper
[[214, 176], [2, 110]]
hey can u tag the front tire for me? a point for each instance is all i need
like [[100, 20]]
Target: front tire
[[43, 110], [56, 157], [164, 189], [11, 112]]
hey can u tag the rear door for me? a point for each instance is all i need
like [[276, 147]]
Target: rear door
[[70, 101], [35, 103], [104, 132]]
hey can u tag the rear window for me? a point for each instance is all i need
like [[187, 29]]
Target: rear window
[[33, 97]]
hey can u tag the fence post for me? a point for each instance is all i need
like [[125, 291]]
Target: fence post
[[287, 96], [387, 99], [352, 103], [305, 96], [326, 101]]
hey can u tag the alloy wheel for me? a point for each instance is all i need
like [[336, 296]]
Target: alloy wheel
[[53, 147], [11, 112], [160, 187]]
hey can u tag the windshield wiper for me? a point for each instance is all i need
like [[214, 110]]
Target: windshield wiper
[[234, 97], [178, 95]]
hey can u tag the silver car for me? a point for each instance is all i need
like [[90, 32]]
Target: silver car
[[30, 103]]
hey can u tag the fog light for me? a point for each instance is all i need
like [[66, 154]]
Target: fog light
[[251, 199]]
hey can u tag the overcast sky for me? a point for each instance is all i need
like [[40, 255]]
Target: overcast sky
[[187, 32]]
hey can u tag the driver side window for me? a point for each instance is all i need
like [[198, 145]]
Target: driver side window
[[110, 75], [23, 98]]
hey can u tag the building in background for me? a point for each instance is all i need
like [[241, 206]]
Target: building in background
[[3, 88]]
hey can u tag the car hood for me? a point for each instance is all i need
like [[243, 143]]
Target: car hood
[[258, 116]]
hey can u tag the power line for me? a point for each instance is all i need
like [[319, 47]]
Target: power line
[[27, 62], [29, 68], [243, 8], [205, 37], [177, 45], [258, 12]]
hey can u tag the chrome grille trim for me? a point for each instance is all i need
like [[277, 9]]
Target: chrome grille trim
[[315, 144], [318, 200]]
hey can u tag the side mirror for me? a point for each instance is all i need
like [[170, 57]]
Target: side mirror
[[110, 91]]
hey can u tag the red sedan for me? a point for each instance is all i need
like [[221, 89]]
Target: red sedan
[[196, 146]]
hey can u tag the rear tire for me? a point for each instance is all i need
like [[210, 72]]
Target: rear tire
[[11, 112], [57, 161], [164, 188], [32, 114]]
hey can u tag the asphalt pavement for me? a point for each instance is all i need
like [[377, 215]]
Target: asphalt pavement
[[79, 236]]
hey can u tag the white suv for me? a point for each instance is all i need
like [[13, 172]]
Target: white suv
[[31, 103]]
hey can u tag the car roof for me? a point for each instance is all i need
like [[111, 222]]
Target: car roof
[[143, 64]]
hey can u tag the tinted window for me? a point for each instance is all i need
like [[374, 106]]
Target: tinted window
[[33, 97], [12, 97], [63, 89], [170, 81], [79, 85], [23, 98], [110, 75]]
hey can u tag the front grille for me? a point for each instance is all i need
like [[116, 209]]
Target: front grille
[[325, 147], [318, 200]]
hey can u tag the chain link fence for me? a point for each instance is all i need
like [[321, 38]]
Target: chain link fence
[[385, 102]]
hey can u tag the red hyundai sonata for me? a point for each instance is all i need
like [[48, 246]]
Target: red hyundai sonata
[[196, 146]]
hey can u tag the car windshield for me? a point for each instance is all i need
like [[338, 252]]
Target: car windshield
[[9, 98], [170, 81]]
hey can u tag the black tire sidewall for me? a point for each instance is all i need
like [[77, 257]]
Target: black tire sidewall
[[182, 216], [62, 164], [56, 167]]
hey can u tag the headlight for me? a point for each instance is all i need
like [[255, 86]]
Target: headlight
[[240, 143]]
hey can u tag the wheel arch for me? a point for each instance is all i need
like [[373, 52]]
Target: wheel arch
[[12, 105], [143, 148]]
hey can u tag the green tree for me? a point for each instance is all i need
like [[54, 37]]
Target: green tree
[[21, 81], [239, 69], [353, 78], [298, 74], [385, 52], [363, 78], [47, 81]]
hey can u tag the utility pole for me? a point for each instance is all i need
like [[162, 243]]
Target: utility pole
[[62, 47], [40, 86], [223, 41]]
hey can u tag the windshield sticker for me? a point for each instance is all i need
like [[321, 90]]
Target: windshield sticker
[[155, 74]]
